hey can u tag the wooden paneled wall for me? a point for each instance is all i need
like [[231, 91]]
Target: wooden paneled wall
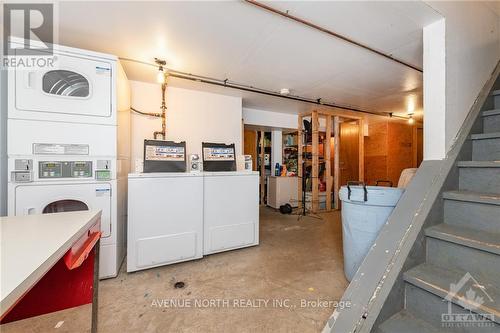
[[389, 148], [250, 146], [349, 152], [418, 138], [376, 152], [399, 149]]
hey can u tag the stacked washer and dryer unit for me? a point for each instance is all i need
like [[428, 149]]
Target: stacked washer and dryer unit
[[68, 143]]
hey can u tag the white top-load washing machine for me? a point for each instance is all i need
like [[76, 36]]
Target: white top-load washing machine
[[179, 216], [230, 210], [68, 142], [165, 219]]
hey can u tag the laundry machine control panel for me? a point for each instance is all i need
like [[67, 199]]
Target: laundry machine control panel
[[65, 169]]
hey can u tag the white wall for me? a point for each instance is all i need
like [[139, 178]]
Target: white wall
[[3, 142], [269, 119], [276, 148], [192, 116], [3, 134], [472, 51], [435, 90]]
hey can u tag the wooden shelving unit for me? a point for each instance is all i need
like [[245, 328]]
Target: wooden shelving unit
[[290, 151], [333, 120], [263, 149]]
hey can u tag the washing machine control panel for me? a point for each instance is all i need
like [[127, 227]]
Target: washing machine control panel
[[65, 169]]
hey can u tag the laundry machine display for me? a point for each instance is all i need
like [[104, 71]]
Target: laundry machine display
[[71, 168], [64, 169]]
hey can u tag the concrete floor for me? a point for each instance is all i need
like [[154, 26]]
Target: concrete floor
[[295, 261]]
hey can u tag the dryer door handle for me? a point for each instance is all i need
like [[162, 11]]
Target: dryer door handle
[[29, 211], [30, 78]]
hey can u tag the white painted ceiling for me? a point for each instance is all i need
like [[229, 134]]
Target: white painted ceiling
[[238, 41]]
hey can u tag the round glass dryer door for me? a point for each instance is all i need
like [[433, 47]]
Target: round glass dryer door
[[64, 206], [65, 83]]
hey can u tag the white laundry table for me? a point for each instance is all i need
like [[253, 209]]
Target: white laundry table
[[38, 252]]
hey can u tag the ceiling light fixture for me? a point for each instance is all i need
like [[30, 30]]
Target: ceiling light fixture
[[160, 76], [410, 106], [411, 121], [285, 91]]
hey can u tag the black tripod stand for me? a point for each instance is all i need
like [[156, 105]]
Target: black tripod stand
[[303, 211]]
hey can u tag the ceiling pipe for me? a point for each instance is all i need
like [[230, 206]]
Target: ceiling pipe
[[332, 33], [233, 85], [276, 94]]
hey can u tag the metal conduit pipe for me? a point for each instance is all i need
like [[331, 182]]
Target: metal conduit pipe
[[233, 85], [332, 33], [163, 107], [163, 114], [150, 114]]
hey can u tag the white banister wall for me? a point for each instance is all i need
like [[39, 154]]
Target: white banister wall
[[472, 50], [434, 91]]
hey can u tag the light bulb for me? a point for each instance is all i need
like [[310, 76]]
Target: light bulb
[[411, 121], [410, 107], [160, 76]]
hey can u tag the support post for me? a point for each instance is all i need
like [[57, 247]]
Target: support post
[[262, 169], [315, 162], [255, 158], [336, 161], [361, 143], [300, 133], [95, 289], [415, 129], [328, 164]]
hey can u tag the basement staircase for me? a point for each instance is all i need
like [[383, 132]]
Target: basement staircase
[[457, 288]]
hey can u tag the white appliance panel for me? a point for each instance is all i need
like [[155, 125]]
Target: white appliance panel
[[165, 219], [232, 236], [109, 261], [231, 211], [22, 134], [32, 199], [282, 190], [154, 251]]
